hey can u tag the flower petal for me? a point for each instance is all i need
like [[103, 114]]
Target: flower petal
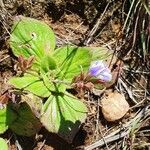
[[105, 76], [100, 70]]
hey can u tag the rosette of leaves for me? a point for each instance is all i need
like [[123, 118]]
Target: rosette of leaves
[[50, 75]]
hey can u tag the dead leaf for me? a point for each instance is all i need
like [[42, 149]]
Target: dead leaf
[[114, 106], [4, 98]]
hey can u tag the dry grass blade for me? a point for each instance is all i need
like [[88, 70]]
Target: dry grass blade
[[128, 90], [95, 28], [17, 143], [106, 141], [147, 6], [128, 128], [128, 15]]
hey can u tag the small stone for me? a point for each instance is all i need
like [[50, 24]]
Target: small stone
[[114, 106]]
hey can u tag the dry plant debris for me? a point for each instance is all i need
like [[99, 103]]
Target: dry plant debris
[[114, 106]]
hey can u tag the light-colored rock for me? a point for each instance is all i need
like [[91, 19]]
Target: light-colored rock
[[114, 106]]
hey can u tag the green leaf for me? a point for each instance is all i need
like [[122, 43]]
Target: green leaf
[[7, 116], [100, 53], [55, 86], [39, 89], [3, 144], [72, 60], [63, 115], [26, 123], [48, 63], [3, 120], [40, 86], [32, 84], [31, 37], [34, 102], [23, 82]]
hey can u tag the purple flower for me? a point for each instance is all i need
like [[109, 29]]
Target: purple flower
[[99, 70]]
